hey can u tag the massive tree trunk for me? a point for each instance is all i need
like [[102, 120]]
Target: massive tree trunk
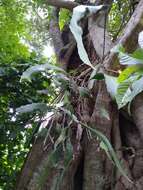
[[90, 168]]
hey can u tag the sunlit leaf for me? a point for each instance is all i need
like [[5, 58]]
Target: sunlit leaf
[[124, 91], [138, 54], [112, 85], [78, 13], [125, 74]]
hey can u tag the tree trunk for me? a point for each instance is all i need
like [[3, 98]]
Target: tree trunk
[[90, 168]]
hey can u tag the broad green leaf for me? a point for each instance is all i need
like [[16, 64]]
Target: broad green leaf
[[39, 68], [98, 76], [138, 54], [135, 58], [32, 107], [111, 84], [64, 17], [124, 90], [126, 59], [136, 88], [125, 74], [78, 13]]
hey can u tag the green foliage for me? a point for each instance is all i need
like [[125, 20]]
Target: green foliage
[[103, 139], [13, 30], [123, 91], [111, 84], [80, 12], [135, 58], [64, 18], [120, 13], [17, 131], [58, 159], [130, 80], [126, 73], [30, 83], [27, 75]]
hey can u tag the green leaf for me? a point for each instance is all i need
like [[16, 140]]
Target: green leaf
[[125, 74], [138, 54], [135, 58], [126, 59], [32, 107], [98, 76], [112, 85], [39, 68], [124, 91], [64, 17], [78, 13], [136, 88]]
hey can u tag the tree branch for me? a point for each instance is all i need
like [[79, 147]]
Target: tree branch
[[130, 35], [105, 2], [67, 4], [129, 40], [55, 32]]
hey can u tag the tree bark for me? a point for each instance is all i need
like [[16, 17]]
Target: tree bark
[[67, 4], [91, 168]]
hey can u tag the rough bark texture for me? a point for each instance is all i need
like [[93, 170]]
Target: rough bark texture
[[91, 169], [68, 4]]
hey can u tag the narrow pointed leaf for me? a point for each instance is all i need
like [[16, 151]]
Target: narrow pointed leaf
[[78, 13], [39, 68], [32, 107]]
